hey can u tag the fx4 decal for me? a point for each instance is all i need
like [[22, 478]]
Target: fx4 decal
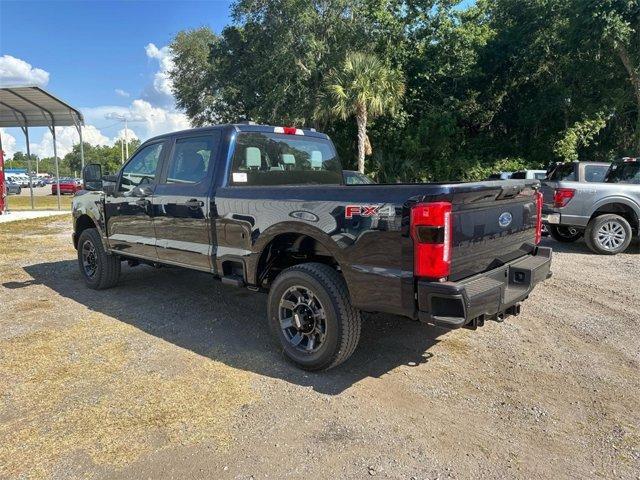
[[351, 211]]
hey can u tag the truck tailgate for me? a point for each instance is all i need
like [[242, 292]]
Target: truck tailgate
[[493, 224]]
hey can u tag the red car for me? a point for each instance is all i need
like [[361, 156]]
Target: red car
[[67, 185]]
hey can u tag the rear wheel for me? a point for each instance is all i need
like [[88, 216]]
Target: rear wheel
[[99, 269], [565, 234], [311, 314], [608, 234]]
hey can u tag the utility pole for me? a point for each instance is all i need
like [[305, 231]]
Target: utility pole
[[126, 139]]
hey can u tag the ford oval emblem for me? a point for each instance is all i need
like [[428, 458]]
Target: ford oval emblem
[[505, 219]]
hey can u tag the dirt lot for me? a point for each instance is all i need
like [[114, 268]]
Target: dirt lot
[[173, 375]]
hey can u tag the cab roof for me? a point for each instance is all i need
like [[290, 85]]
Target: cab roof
[[244, 127]]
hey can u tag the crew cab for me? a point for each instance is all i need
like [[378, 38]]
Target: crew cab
[[267, 208], [605, 211]]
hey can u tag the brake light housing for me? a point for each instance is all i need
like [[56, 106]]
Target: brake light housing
[[539, 201], [562, 196], [431, 231], [288, 130]]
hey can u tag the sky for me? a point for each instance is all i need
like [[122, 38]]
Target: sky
[[103, 57]]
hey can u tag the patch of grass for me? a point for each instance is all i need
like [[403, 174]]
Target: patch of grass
[[85, 388], [20, 238], [40, 202]]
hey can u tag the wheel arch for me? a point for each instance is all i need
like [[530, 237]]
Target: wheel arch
[[83, 221], [288, 244], [622, 206]]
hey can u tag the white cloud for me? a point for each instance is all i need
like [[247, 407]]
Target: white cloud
[[131, 135], [14, 71], [158, 120], [122, 93], [66, 138], [8, 144], [160, 92], [145, 120]]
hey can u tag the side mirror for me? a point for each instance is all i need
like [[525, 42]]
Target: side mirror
[[92, 177]]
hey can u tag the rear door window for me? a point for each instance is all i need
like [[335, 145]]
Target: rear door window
[[262, 158]]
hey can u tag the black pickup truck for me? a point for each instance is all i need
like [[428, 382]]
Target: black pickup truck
[[267, 208]]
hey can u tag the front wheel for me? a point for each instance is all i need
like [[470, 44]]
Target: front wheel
[[565, 234], [99, 269], [608, 234], [311, 314]]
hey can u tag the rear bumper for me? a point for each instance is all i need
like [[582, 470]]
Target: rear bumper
[[552, 216], [489, 295]]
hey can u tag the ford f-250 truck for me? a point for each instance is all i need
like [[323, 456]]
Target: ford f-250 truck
[[267, 208]]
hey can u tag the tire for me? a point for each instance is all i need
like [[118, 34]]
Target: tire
[[99, 270], [320, 319], [565, 234], [608, 234]]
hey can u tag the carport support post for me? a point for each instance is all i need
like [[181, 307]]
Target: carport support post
[[81, 149], [55, 156], [26, 137]]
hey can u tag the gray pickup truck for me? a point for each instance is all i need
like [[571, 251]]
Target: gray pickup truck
[[606, 211]]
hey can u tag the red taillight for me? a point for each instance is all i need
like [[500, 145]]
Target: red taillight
[[562, 196], [431, 234], [539, 201]]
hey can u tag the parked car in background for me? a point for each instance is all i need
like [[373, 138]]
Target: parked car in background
[[529, 175], [579, 172], [67, 185], [352, 177], [606, 213], [13, 188], [500, 176]]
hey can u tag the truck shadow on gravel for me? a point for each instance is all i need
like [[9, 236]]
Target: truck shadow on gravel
[[194, 311]]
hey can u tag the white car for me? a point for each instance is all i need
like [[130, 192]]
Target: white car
[[530, 175]]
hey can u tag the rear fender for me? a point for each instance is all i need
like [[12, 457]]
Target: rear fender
[[635, 207]]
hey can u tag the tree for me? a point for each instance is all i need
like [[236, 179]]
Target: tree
[[365, 88]]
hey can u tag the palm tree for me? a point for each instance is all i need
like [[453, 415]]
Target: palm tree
[[364, 87]]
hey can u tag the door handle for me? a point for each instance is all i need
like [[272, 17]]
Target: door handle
[[193, 203]]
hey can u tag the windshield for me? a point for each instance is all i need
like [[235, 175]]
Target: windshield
[[564, 172], [624, 172]]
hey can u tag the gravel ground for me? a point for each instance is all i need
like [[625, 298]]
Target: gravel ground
[[174, 375]]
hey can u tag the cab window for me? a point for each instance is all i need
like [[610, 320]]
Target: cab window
[[624, 172], [595, 173], [191, 159], [142, 168], [263, 158], [563, 172]]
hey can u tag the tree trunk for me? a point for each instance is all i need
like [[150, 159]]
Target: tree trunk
[[634, 78], [361, 120]]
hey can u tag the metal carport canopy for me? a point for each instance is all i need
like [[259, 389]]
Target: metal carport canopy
[[31, 106]]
